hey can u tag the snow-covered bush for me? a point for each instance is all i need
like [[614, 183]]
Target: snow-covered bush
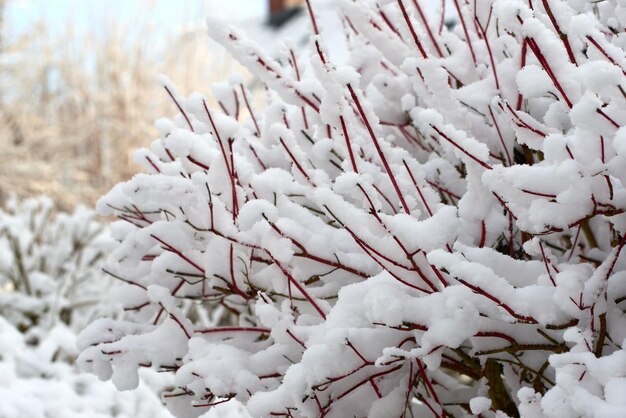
[[35, 383], [51, 286], [50, 265], [433, 229]]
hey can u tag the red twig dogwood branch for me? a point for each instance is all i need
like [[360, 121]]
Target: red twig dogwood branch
[[435, 228]]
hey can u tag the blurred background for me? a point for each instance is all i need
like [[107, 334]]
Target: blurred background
[[78, 84]]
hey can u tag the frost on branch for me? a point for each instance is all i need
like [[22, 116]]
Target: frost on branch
[[433, 230]]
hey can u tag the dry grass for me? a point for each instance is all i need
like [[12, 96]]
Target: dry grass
[[74, 106]]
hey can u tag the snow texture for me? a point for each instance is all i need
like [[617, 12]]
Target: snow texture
[[433, 227], [51, 286]]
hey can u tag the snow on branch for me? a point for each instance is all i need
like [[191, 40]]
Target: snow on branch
[[434, 229]]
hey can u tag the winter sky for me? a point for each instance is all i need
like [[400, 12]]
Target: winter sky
[[167, 15]]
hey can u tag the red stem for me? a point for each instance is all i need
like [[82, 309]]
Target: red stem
[[495, 123], [233, 329], [493, 63], [430, 386], [430, 212], [178, 253], [603, 52], [427, 26], [545, 263], [298, 286], [347, 138], [447, 138], [296, 162], [546, 66], [413, 34], [467, 37], [180, 108], [562, 35], [245, 99], [312, 16], [378, 148], [520, 97]]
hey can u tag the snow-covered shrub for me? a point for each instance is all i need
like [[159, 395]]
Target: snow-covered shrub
[[434, 229], [51, 286], [34, 383], [50, 265]]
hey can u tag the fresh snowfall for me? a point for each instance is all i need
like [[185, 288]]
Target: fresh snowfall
[[432, 228]]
